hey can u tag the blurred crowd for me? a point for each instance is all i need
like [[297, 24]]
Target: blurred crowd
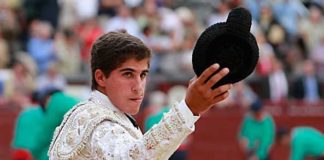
[[46, 43]]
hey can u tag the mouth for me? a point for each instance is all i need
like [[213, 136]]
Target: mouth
[[137, 99]]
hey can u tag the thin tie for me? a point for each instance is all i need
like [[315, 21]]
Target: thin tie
[[132, 120]]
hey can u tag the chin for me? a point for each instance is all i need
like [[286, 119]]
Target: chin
[[133, 112]]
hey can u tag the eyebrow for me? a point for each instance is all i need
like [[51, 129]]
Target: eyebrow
[[132, 70]]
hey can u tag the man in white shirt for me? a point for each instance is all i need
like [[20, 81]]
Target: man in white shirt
[[101, 127]]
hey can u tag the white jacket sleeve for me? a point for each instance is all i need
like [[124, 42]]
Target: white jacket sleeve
[[112, 141]]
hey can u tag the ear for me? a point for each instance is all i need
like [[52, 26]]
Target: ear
[[100, 77]]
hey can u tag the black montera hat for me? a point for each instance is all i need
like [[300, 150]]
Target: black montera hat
[[230, 44]]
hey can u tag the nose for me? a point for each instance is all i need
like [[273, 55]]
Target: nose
[[138, 86]]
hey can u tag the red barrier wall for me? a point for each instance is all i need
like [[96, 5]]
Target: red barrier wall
[[216, 132], [7, 120]]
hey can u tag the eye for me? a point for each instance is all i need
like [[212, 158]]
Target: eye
[[144, 75], [128, 74]]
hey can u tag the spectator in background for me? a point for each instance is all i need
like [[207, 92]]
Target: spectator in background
[[317, 56], [48, 11], [124, 20], [185, 64], [28, 127], [88, 31], [178, 66], [68, 17], [68, 52], [275, 85], [41, 45], [266, 54], [304, 142], [254, 7], [257, 133], [171, 26], [20, 84], [9, 29], [149, 40], [311, 28], [56, 103], [43, 10], [51, 78], [307, 86], [4, 52], [181, 71], [274, 33], [149, 16], [5, 82], [108, 7], [287, 12], [278, 82], [266, 19], [220, 14], [190, 22], [86, 9]]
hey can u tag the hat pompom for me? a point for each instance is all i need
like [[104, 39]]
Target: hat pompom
[[239, 22]]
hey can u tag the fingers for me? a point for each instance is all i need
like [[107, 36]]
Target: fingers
[[207, 73], [218, 94], [192, 80], [221, 90], [221, 97], [207, 78], [215, 78], [200, 97]]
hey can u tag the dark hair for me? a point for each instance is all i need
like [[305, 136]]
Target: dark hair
[[256, 105], [35, 97], [281, 132], [44, 94], [112, 49], [68, 33]]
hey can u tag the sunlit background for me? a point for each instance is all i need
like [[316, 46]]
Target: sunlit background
[[46, 43]]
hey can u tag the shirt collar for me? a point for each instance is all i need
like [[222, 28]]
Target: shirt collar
[[103, 100]]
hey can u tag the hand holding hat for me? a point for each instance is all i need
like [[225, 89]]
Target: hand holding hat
[[200, 97]]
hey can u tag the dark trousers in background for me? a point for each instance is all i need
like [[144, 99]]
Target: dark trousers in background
[[179, 155]]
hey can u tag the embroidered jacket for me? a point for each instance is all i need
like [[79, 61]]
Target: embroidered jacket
[[96, 129]]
